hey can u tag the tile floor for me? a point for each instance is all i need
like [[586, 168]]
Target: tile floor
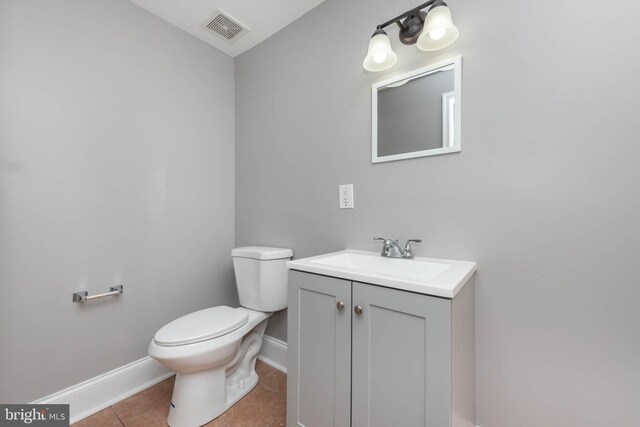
[[264, 406]]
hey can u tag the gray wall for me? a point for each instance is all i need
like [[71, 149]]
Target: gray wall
[[544, 195], [99, 102]]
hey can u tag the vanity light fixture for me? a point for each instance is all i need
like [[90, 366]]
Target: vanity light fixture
[[430, 29]]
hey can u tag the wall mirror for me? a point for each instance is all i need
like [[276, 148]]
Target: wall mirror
[[417, 114]]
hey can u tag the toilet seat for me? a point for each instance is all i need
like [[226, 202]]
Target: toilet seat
[[201, 326]]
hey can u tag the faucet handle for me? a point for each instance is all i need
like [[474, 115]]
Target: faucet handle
[[385, 239], [407, 248], [385, 246]]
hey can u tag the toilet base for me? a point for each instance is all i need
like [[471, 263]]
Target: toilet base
[[196, 399], [199, 397]]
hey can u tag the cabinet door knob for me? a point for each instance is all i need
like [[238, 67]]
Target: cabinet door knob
[[340, 305], [357, 309]]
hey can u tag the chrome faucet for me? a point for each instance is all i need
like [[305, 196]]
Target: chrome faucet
[[391, 249]]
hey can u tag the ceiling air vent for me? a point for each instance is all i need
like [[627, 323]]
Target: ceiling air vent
[[223, 25]]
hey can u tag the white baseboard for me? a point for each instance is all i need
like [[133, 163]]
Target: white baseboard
[[100, 392], [274, 353]]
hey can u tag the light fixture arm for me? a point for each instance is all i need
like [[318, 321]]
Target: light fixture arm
[[415, 10], [399, 24]]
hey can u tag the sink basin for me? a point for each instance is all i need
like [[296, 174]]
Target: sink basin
[[415, 269], [438, 277]]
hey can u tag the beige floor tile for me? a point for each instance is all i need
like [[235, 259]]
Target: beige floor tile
[[217, 423], [104, 418], [262, 407], [262, 369], [149, 408], [276, 381]]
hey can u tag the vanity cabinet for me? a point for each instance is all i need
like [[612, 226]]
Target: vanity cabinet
[[366, 355]]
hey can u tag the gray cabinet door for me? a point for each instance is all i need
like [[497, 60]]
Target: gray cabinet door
[[319, 351], [401, 368]]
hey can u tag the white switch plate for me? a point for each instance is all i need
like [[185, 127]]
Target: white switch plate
[[346, 196]]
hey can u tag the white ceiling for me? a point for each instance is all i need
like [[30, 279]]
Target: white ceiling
[[263, 18]]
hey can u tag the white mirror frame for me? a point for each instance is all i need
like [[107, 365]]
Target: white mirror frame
[[420, 72]]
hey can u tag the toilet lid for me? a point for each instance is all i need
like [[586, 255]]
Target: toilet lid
[[201, 325]]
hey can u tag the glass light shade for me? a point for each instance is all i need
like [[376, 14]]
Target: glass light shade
[[439, 31], [380, 56]]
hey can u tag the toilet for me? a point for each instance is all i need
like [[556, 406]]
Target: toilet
[[213, 351]]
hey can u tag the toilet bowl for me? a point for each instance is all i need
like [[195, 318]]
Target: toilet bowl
[[213, 351]]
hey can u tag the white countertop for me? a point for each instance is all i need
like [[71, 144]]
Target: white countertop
[[429, 276]]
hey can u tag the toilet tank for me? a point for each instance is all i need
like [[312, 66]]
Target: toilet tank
[[261, 276]]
